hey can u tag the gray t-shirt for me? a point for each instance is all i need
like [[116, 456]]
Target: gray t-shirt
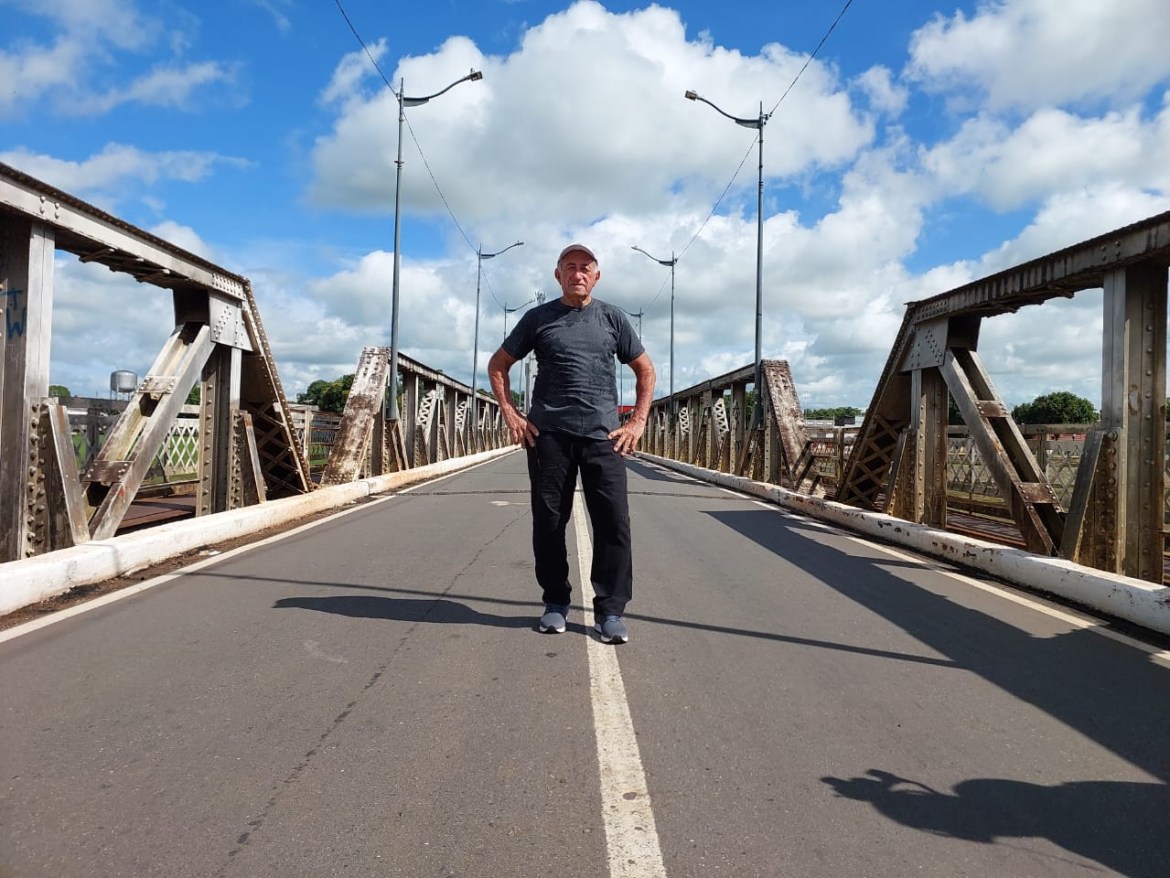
[[576, 382]]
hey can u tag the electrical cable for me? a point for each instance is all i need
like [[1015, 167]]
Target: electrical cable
[[414, 139], [795, 79]]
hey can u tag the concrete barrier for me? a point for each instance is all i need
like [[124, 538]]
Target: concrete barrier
[[1133, 600], [31, 580]]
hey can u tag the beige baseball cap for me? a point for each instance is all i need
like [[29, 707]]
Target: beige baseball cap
[[580, 247]]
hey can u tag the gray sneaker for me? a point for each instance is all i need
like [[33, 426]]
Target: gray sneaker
[[553, 619], [611, 629]]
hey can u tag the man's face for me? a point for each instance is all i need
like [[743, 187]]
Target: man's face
[[577, 273]]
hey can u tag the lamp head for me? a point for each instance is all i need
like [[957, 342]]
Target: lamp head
[[474, 75], [690, 96]]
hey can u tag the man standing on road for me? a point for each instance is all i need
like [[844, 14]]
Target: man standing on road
[[572, 426]]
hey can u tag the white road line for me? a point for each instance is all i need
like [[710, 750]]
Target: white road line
[[1075, 620], [123, 593], [1088, 623], [630, 834]]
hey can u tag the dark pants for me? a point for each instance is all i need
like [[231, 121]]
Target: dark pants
[[553, 465]]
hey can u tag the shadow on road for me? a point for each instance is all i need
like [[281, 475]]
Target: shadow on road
[[1110, 692], [656, 474], [1116, 824], [438, 612]]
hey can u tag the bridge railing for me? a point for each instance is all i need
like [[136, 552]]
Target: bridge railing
[[1097, 496], [240, 440]]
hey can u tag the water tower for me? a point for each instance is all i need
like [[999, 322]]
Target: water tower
[[123, 383]]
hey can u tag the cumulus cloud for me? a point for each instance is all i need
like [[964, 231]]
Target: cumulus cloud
[[610, 153], [109, 176], [1048, 123], [1031, 53], [598, 128], [68, 71]]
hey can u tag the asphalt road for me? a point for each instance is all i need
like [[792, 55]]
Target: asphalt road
[[369, 697]]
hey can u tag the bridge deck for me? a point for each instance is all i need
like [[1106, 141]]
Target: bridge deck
[[367, 697]]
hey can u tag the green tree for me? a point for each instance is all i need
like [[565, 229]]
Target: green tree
[[195, 395], [329, 396], [831, 414], [1061, 407], [58, 391]]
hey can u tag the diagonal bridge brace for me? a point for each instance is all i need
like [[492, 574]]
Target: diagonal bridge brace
[[112, 480]]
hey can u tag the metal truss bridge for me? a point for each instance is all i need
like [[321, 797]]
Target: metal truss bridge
[[892, 648]]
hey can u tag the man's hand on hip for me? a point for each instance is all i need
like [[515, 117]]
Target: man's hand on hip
[[625, 438], [523, 431]]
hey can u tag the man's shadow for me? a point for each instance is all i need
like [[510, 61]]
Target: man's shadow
[[1119, 824], [437, 612]]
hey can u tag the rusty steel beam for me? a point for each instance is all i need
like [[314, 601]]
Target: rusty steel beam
[[96, 236], [362, 408], [1082, 266], [787, 416]]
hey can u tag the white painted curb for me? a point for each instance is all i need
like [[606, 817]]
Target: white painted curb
[[35, 579], [1133, 600]]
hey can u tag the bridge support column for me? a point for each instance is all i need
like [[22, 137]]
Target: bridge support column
[[219, 401], [26, 292], [923, 495], [1130, 485]]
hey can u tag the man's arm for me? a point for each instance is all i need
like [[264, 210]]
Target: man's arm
[[627, 435], [523, 431]]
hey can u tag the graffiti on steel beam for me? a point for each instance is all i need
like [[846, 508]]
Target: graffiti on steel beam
[[15, 313]]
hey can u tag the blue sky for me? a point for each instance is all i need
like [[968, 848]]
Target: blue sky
[[925, 145]]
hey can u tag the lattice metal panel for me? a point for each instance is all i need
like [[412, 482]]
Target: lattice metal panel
[[179, 457], [426, 410], [1062, 457], [967, 473], [722, 424], [178, 460]]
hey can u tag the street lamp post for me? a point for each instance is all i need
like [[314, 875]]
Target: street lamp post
[[480, 256], [509, 310], [757, 123], [539, 299], [639, 314], [672, 262], [404, 102], [621, 371]]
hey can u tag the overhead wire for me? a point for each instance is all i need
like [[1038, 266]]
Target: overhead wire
[[795, 79], [362, 43], [702, 226], [832, 28], [413, 138]]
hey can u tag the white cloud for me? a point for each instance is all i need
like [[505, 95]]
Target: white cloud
[[106, 176], [185, 237], [78, 71], [593, 129], [276, 9], [1030, 53], [1052, 150], [884, 95], [581, 131], [171, 87], [102, 322]]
